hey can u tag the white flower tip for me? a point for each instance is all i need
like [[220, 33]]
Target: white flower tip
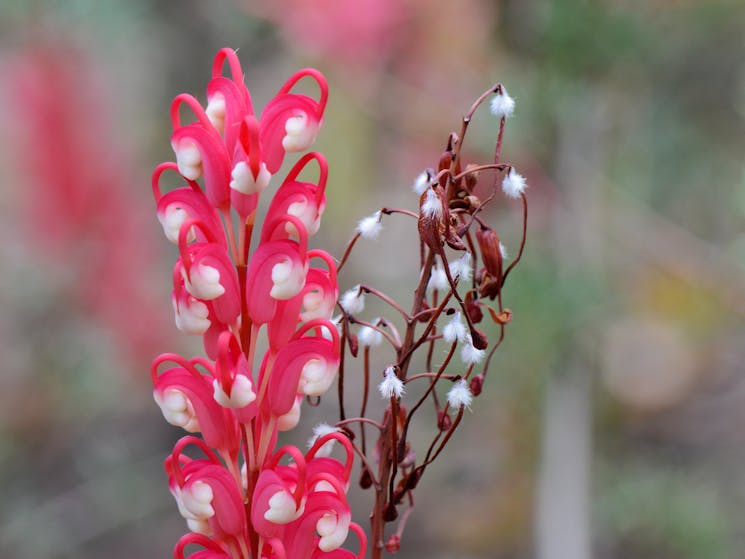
[[282, 509], [172, 220], [421, 182], [288, 280], [191, 315], [333, 531], [316, 377], [216, 111], [197, 500], [391, 386], [353, 301], [502, 105], [432, 206], [243, 181], [300, 133], [290, 420], [189, 160], [513, 184], [241, 394], [177, 409], [203, 282], [370, 226], [460, 395]]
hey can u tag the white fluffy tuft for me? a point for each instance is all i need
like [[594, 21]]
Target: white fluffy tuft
[[513, 184], [432, 206], [421, 182], [455, 330], [391, 385], [469, 354], [461, 268], [353, 300], [502, 105], [369, 337], [438, 279], [370, 226], [460, 395]]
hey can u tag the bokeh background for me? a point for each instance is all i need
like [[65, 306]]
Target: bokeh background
[[613, 422]]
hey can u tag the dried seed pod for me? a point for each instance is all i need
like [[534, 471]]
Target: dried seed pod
[[491, 255]]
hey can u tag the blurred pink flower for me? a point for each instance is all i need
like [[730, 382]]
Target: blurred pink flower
[[76, 206], [364, 31]]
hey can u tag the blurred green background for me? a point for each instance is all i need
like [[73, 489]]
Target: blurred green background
[[612, 423]]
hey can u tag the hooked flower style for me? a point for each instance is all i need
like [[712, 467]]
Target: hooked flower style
[[239, 501]]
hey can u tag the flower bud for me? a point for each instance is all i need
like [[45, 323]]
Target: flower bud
[[477, 384], [393, 544], [365, 479], [443, 420]]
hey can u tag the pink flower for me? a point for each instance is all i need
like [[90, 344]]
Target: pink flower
[[306, 365], [185, 396], [227, 293], [364, 31]]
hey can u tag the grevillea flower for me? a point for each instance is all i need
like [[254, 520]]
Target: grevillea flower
[[240, 502]]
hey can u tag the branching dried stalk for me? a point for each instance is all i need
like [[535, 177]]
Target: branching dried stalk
[[462, 273]]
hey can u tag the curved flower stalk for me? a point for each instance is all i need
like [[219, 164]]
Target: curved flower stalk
[[243, 499], [436, 338]]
